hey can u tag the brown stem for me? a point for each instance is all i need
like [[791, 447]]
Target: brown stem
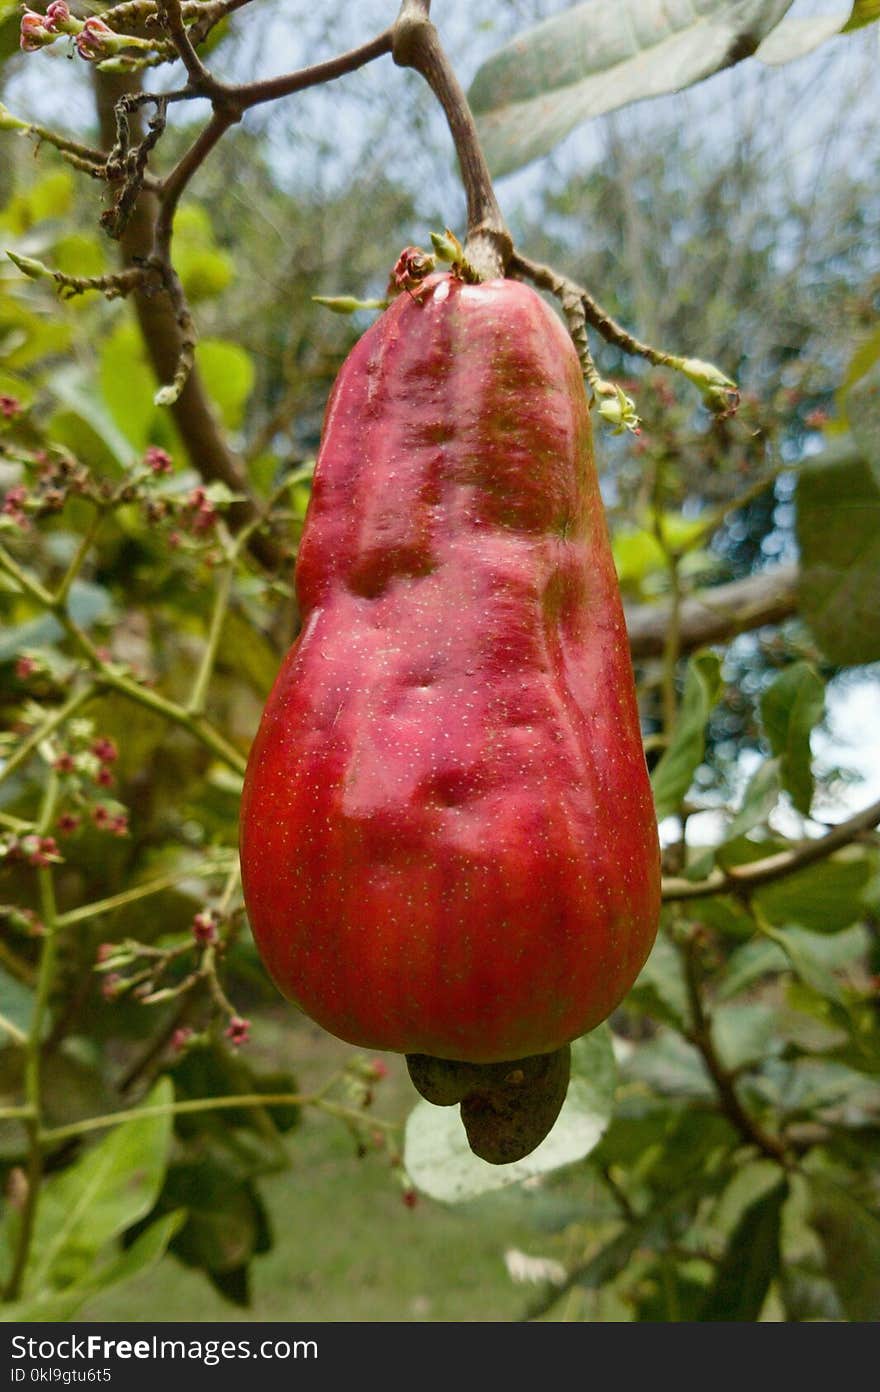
[[171, 18], [416, 44], [701, 1037], [549, 279], [271, 88], [193, 412], [717, 614], [743, 879]]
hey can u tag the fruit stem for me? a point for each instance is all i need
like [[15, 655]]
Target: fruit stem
[[416, 44]]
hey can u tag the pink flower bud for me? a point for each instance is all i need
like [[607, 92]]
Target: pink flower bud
[[158, 460], [10, 406], [58, 18], [204, 927], [25, 667], [238, 1030], [91, 41], [34, 33], [104, 748]]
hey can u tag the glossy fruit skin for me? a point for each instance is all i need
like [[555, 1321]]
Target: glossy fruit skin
[[448, 839]]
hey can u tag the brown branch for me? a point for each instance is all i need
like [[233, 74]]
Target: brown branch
[[271, 88], [193, 412], [744, 879], [170, 16], [700, 1035], [719, 393], [417, 45], [718, 614]]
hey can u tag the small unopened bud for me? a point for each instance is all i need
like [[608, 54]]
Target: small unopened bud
[[238, 1031], [204, 927], [10, 122], [181, 1038], [105, 750], [347, 304], [158, 460], [25, 668], [60, 20], [719, 393]]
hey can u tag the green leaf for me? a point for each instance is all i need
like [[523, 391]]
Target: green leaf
[[82, 402], [660, 989], [144, 1253], [750, 1262], [229, 377], [791, 707], [863, 12], [16, 1003], [850, 1237], [79, 255], [108, 1189], [659, 1227], [813, 956], [674, 773], [824, 897], [838, 531], [863, 415], [50, 197], [595, 57], [225, 1222], [671, 1066], [127, 384], [745, 1034], [440, 1162], [759, 799]]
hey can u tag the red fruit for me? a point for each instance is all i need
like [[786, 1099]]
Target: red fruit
[[448, 839]]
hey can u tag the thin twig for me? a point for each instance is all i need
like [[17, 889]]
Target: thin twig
[[743, 879]]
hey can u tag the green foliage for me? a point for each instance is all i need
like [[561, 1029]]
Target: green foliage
[[791, 707], [752, 1031], [839, 538], [672, 777], [593, 58]]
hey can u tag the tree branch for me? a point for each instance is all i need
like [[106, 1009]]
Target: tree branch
[[416, 44], [192, 412], [702, 1039], [743, 879], [717, 614]]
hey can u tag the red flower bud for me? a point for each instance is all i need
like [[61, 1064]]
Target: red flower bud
[[34, 33], [105, 749], [158, 460], [238, 1030], [91, 40], [10, 406], [58, 18], [204, 927], [25, 667]]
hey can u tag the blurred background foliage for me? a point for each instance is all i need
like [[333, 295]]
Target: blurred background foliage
[[737, 222]]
